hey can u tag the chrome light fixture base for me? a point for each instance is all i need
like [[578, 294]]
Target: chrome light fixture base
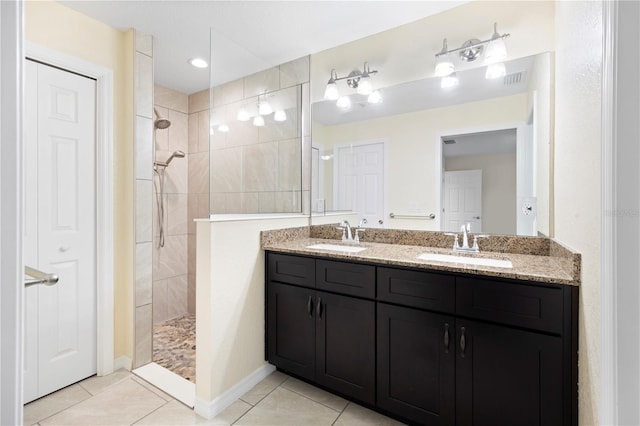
[[471, 50]]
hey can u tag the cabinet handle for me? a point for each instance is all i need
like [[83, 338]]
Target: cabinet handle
[[446, 338], [320, 308], [310, 306], [463, 342]]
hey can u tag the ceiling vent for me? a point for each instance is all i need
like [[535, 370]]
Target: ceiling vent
[[513, 79]]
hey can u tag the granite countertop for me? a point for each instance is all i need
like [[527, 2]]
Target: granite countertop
[[552, 267]]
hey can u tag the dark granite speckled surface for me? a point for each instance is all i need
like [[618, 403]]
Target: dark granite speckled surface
[[534, 258]]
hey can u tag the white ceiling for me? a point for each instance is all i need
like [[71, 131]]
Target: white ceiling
[[248, 35]]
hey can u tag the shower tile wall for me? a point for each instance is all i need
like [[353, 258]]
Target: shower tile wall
[[170, 262], [258, 169], [143, 154], [198, 198]]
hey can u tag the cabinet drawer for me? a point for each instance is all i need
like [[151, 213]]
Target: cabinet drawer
[[346, 278], [291, 269], [418, 289], [538, 308]]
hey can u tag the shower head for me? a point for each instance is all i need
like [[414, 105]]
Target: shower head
[[161, 123], [176, 154]]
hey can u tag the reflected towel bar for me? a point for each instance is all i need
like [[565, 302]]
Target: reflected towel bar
[[412, 216]]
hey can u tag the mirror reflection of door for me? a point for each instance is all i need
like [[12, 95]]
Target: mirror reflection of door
[[462, 200], [359, 181], [493, 155]]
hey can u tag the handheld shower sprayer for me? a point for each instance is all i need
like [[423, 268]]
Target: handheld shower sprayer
[[175, 154]]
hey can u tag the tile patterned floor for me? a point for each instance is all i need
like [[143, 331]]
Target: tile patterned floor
[[174, 345], [124, 399]]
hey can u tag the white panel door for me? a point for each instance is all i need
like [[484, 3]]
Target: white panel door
[[359, 183], [60, 229], [462, 200]]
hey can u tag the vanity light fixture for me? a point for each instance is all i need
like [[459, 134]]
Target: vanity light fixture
[[444, 66], [495, 53], [331, 92], [264, 108], [356, 79], [198, 62]]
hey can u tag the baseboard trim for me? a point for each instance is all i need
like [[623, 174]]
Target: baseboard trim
[[210, 409], [122, 363]]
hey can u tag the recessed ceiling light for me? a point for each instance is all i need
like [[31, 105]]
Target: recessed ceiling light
[[198, 63]]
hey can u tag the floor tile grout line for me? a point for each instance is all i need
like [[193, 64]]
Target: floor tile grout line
[[150, 412], [64, 409], [253, 406], [313, 400], [340, 415]]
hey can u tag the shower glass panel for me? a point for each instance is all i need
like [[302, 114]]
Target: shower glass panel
[[259, 137]]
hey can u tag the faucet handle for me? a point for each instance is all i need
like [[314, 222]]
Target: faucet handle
[[475, 240]]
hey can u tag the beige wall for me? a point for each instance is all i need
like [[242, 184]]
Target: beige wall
[[231, 302], [57, 27], [530, 24], [412, 141], [578, 173], [498, 189]]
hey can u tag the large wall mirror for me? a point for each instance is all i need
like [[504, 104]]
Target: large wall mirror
[[431, 157]]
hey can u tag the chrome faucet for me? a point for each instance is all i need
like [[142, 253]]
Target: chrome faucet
[[347, 236], [465, 229]]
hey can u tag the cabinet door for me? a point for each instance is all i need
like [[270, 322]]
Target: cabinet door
[[345, 345], [506, 376], [416, 364], [291, 329]]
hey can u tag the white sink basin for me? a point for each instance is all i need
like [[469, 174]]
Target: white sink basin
[[480, 261], [337, 247]]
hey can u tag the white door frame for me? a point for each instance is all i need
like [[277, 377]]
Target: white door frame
[[439, 167], [385, 170], [11, 268], [104, 192]]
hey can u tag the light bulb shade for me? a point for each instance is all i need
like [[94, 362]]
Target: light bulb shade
[[496, 51], [495, 71], [449, 81], [444, 66], [243, 115], [264, 108], [280, 115], [375, 97], [258, 121], [364, 85], [223, 128], [344, 102], [331, 92]]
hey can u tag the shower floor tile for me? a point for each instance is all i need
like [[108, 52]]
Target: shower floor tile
[[174, 345]]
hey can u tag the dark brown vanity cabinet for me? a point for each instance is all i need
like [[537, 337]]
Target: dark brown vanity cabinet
[[433, 348], [328, 338]]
